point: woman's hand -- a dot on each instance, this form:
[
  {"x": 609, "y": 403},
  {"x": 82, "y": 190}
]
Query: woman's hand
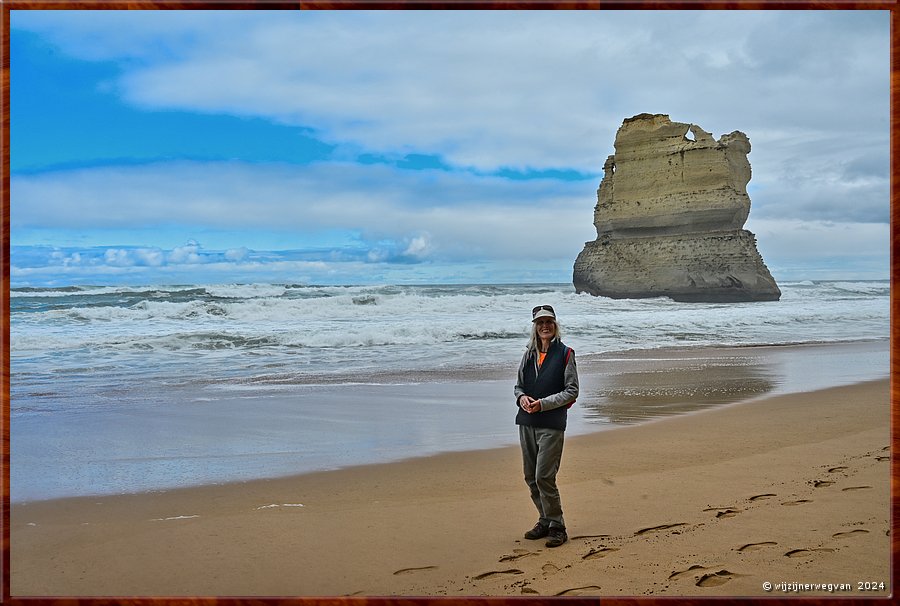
[{"x": 530, "y": 405}]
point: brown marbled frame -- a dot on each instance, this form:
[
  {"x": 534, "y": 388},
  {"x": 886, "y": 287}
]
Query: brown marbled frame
[{"x": 8, "y": 5}]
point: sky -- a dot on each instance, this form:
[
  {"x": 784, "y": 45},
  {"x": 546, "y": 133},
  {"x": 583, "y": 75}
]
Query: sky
[{"x": 359, "y": 147}]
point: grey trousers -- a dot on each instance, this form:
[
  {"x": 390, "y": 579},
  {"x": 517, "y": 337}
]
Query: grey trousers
[{"x": 541, "y": 453}]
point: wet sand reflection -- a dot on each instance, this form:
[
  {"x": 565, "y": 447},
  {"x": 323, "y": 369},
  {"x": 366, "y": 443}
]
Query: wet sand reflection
[{"x": 645, "y": 391}]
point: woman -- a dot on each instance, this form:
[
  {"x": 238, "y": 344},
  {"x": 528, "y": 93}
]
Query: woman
[{"x": 546, "y": 388}]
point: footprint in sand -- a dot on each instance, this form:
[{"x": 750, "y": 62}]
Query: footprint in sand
[
  {"x": 728, "y": 513},
  {"x": 756, "y": 546},
  {"x": 882, "y": 458},
  {"x": 497, "y": 573},
  {"x": 836, "y": 469},
  {"x": 590, "y": 536},
  {"x": 416, "y": 569},
  {"x": 858, "y": 531},
  {"x": 855, "y": 488},
  {"x": 759, "y": 497},
  {"x": 600, "y": 552},
  {"x": 804, "y": 553},
  {"x": 550, "y": 568},
  {"x": 658, "y": 528},
  {"x": 821, "y": 483},
  {"x": 689, "y": 572},
  {"x": 799, "y": 502},
  {"x": 724, "y": 512},
  {"x": 579, "y": 590},
  {"x": 517, "y": 556},
  {"x": 714, "y": 579}
]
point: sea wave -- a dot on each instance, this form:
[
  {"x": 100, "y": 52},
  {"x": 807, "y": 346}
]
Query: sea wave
[{"x": 398, "y": 327}]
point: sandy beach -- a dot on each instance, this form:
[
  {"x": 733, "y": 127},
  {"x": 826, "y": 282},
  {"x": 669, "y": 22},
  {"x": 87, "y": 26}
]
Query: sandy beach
[{"x": 792, "y": 490}]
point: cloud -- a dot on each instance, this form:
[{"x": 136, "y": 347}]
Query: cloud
[
  {"x": 149, "y": 257},
  {"x": 33, "y": 266},
  {"x": 408, "y": 250},
  {"x": 126, "y": 257},
  {"x": 396, "y": 213},
  {"x": 798, "y": 249},
  {"x": 474, "y": 92},
  {"x": 418, "y": 246},
  {"x": 119, "y": 257},
  {"x": 237, "y": 254},
  {"x": 844, "y": 182},
  {"x": 187, "y": 254},
  {"x": 493, "y": 89},
  {"x": 385, "y": 215}
]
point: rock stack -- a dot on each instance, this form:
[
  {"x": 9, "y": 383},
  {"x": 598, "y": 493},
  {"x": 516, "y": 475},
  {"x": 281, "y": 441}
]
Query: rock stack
[{"x": 670, "y": 215}]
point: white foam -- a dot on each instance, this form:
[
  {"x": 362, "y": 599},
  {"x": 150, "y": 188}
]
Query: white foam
[
  {"x": 318, "y": 329},
  {"x": 174, "y": 518}
]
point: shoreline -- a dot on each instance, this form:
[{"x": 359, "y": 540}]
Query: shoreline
[
  {"x": 501, "y": 371},
  {"x": 198, "y": 437},
  {"x": 800, "y": 476}
]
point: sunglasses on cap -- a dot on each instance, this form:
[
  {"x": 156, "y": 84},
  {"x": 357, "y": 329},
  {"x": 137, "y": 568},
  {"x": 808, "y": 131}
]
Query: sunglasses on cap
[{"x": 549, "y": 308}]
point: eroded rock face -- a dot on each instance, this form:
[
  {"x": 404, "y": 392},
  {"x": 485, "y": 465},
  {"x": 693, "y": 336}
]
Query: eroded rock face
[{"x": 670, "y": 214}]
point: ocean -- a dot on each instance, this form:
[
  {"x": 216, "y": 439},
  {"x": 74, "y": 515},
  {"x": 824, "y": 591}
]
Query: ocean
[{"x": 122, "y": 389}]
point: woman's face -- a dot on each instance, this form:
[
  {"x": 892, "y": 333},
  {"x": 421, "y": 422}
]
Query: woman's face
[{"x": 546, "y": 328}]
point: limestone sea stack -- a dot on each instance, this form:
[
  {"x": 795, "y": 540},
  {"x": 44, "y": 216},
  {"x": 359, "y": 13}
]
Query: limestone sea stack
[{"x": 670, "y": 215}]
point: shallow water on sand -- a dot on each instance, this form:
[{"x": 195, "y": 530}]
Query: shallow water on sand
[{"x": 183, "y": 434}]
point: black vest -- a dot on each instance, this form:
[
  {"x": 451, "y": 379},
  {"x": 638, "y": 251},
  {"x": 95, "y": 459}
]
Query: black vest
[{"x": 546, "y": 381}]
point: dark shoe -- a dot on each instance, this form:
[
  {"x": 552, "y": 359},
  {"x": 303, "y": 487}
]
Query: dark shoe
[
  {"x": 557, "y": 536},
  {"x": 538, "y": 532}
]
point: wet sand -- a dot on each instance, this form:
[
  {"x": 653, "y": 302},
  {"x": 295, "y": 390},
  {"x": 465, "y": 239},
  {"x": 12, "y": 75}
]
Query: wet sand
[
  {"x": 789, "y": 489},
  {"x": 172, "y": 437}
]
